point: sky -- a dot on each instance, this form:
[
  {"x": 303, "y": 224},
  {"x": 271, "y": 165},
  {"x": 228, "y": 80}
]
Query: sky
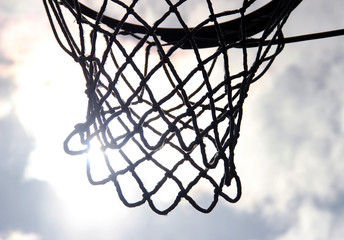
[{"x": 289, "y": 155}]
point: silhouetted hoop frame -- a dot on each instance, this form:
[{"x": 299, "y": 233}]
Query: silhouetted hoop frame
[{"x": 210, "y": 114}]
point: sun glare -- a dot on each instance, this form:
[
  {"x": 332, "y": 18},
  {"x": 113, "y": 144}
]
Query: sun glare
[{"x": 17, "y": 235}]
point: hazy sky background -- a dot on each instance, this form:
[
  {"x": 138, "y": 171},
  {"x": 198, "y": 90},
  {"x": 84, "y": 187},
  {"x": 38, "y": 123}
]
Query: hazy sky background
[{"x": 289, "y": 156}]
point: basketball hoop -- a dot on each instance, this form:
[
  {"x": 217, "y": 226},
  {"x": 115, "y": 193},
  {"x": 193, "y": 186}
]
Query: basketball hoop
[{"x": 148, "y": 108}]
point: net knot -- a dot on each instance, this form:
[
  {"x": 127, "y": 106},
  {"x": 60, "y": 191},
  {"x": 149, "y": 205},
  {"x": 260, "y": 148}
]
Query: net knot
[
  {"x": 173, "y": 9},
  {"x": 200, "y": 66},
  {"x": 138, "y": 129},
  {"x": 125, "y": 108},
  {"x": 81, "y": 127},
  {"x": 203, "y": 173},
  {"x": 113, "y": 176},
  {"x": 172, "y": 128},
  {"x": 186, "y": 156},
  {"x": 183, "y": 193},
  {"x": 146, "y": 195},
  {"x": 212, "y": 18},
  {"x": 168, "y": 174},
  {"x": 199, "y": 140},
  {"x": 217, "y": 190},
  {"x": 142, "y": 83},
  {"x": 156, "y": 107},
  {"x": 130, "y": 10},
  {"x": 149, "y": 156},
  {"x": 190, "y": 112},
  {"x": 180, "y": 86}
]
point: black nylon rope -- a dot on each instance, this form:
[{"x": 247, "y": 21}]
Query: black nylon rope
[{"x": 161, "y": 126}]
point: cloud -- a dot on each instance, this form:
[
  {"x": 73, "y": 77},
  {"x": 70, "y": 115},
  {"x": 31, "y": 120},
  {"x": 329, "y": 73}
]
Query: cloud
[
  {"x": 26, "y": 205},
  {"x": 289, "y": 155},
  {"x": 310, "y": 223},
  {"x": 6, "y": 89},
  {"x": 291, "y": 164},
  {"x": 186, "y": 223}
]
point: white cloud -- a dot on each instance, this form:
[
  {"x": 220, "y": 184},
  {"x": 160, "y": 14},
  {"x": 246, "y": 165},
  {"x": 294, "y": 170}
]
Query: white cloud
[
  {"x": 291, "y": 144},
  {"x": 337, "y": 228},
  {"x": 309, "y": 222}
]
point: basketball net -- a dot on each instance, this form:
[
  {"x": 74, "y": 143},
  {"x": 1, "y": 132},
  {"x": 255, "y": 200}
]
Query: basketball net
[{"x": 165, "y": 104}]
